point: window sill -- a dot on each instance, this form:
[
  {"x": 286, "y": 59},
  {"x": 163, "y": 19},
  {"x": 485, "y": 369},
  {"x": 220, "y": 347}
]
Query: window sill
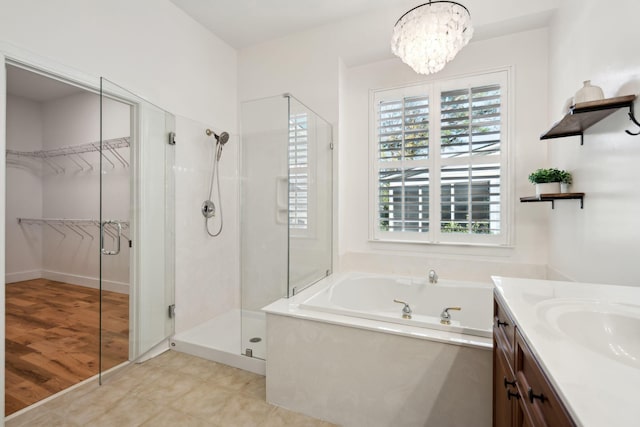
[{"x": 451, "y": 248}]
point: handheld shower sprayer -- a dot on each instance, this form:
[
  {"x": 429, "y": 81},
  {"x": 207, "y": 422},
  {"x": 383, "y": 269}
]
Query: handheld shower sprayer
[
  {"x": 221, "y": 139},
  {"x": 208, "y": 207}
]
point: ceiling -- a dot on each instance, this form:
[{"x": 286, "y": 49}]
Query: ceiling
[
  {"x": 242, "y": 23},
  {"x": 36, "y": 87}
]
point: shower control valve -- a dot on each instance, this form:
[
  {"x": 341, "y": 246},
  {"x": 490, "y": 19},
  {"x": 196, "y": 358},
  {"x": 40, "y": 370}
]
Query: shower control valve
[{"x": 208, "y": 209}]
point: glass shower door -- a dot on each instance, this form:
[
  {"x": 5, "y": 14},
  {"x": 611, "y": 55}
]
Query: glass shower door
[{"x": 137, "y": 225}]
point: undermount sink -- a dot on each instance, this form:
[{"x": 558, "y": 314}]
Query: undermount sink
[{"x": 610, "y": 329}]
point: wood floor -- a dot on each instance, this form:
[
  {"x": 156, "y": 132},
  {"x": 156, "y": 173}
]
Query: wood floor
[{"x": 52, "y": 338}]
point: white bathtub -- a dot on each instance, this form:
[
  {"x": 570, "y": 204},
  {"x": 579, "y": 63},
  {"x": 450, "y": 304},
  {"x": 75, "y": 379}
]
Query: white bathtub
[
  {"x": 340, "y": 351},
  {"x": 371, "y": 296}
]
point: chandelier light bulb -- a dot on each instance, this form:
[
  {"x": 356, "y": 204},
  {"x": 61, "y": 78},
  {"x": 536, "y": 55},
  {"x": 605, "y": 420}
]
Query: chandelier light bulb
[{"x": 430, "y": 35}]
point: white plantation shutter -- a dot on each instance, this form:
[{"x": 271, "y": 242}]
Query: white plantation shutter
[
  {"x": 470, "y": 129},
  {"x": 403, "y": 178},
  {"x": 453, "y": 181},
  {"x": 298, "y": 172}
]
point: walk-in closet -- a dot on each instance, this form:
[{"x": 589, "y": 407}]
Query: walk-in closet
[{"x": 68, "y": 237}]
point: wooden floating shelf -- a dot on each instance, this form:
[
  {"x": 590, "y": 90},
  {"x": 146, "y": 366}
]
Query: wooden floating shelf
[
  {"x": 586, "y": 114},
  {"x": 552, "y": 197}
]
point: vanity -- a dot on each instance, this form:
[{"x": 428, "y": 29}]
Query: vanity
[{"x": 565, "y": 354}]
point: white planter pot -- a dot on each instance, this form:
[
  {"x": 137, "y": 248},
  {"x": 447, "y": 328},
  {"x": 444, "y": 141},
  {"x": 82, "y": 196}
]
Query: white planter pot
[
  {"x": 564, "y": 187},
  {"x": 547, "y": 188}
]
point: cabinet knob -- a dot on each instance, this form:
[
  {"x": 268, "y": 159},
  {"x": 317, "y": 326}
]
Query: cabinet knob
[
  {"x": 510, "y": 395},
  {"x": 508, "y": 383},
  {"x": 502, "y": 323},
  {"x": 535, "y": 396}
]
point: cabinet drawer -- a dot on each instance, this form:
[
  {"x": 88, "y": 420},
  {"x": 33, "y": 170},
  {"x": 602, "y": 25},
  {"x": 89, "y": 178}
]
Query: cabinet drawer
[
  {"x": 540, "y": 403},
  {"x": 504, "y": 329}
]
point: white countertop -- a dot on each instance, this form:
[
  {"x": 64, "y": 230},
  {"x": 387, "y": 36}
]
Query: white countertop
[{"x": 594, "y": 372}]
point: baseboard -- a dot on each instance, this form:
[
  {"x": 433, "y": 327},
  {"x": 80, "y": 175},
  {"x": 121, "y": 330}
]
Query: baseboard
[
  {"x": 89, "y": 282},
  {"x": 22, "y": 276}
]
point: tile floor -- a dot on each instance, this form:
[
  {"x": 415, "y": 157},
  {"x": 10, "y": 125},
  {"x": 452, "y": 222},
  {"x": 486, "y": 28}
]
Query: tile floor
[{"x": 173, "y": 389}]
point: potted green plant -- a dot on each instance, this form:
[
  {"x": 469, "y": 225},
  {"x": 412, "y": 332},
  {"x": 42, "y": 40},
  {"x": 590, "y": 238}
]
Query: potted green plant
[
  {"x": 548, "y": 181},
  {"x": 567, "y": 179}
]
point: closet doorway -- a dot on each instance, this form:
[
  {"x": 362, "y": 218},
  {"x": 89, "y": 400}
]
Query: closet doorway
[
  {"x": 53, "y": 237},
  {"x": 78, "y": 268}
]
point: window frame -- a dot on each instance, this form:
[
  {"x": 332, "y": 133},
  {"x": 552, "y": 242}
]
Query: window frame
[{"x": 435, "y": 162}]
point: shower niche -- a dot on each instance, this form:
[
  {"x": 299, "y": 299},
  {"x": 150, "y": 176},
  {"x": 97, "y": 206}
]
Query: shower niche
[{"x": 286, "y": 207}]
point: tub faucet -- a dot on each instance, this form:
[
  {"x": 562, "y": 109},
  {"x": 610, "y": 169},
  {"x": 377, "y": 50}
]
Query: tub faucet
[
  {"x": 433, "y": 277},
  {"x": 406, "y": 310},
  {"x": 445, "y": 317}
]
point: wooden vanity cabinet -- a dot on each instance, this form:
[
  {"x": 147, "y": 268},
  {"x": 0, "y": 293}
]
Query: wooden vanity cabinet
[{"x": 522, "y": 395}]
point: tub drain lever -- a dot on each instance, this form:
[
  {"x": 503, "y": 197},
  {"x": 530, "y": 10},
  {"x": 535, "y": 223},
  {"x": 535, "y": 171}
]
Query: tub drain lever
[{"x": 406, "y": 310}]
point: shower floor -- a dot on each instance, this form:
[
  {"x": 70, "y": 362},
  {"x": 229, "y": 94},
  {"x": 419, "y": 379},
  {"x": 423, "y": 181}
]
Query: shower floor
[{"x": 225, "y": 339}]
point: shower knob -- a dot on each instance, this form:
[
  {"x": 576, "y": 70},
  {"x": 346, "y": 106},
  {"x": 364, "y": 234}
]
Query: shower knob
[{"x": 208, "y": 209}]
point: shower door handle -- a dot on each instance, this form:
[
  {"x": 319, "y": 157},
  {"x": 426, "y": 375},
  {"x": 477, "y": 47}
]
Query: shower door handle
[{"x": 118, "y": 237}]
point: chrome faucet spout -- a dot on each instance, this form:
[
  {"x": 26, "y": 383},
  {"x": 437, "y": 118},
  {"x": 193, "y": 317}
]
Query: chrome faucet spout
[{"x": 433, "y": 277}]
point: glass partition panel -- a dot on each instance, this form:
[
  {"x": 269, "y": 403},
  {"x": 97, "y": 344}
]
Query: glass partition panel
[
  {"x": 137, "y": 225},
  {"x": 264, "y": 214},
  {"x": 286, "y": 207},
  {"x": 310, "y": 197}
]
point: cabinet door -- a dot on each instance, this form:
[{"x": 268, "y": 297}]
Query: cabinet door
[
  {"x": 541, "y": 405},
  {"x": 505, "y": 329},
  {"x": 505, "y": 393}
]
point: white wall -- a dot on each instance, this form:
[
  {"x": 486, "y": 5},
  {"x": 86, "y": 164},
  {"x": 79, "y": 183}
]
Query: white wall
[
  {"x": 207, "y": 276},
  {"x": 591, "y": 40},
  {"x": 526, "y": 116},
  {"x": 152, "y": 48},
  {"x": 24, "y": 191}
]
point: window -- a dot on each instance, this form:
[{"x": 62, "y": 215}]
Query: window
[
  {"x": 298, "y": 172},
  {"x": 439, "y": 162}
]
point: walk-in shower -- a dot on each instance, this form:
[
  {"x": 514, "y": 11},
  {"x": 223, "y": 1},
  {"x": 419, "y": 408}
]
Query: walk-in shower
[
  {"x": 284, "y": 226},
  {"x": 208, "y": 206}
]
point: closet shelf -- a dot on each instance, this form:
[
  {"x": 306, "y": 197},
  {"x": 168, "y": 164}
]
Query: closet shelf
[
  {"x": 75, "y": 154},
  {"x": 584, "y": 115},
  {"x": 76, "y": 225}
]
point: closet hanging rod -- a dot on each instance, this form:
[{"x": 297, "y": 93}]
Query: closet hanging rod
[
  {"x": 64, "y": 221},
  {"x": 92, "y": 147},
  {"x": 76, "y": 224}
]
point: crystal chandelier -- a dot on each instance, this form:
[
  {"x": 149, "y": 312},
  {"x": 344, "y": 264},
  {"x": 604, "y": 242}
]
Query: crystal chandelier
[{"x": 430, "y": 35}]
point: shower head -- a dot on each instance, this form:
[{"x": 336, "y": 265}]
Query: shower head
[{"x": 222, "y": 138}]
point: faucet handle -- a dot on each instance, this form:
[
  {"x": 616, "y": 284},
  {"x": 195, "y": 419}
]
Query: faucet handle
[
  {"x": 445, "y": 317},
  {"x": 406, "y": 310}
]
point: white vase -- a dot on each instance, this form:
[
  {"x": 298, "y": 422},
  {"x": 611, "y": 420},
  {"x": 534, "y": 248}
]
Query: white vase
[
  {"x": 547, "y": 188},
  {"x": 567, "y": 106},
  {"x": 564, "y": 187},
  {"x": 588, "y": 93}
]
